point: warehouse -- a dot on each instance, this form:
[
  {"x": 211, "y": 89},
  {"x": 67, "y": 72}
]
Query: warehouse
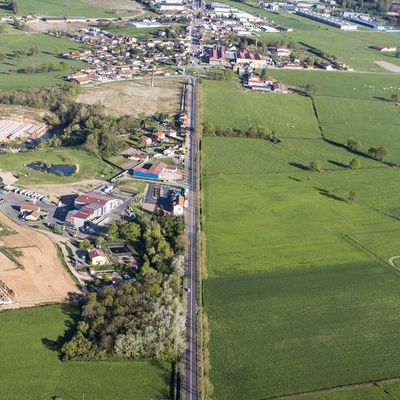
[{"x": 150, "y": 171}]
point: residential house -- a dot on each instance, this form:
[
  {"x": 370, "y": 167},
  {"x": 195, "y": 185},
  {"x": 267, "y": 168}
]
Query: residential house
[
  {"x": 178, "y": 207},
  {"x": 97, "y": 257}
]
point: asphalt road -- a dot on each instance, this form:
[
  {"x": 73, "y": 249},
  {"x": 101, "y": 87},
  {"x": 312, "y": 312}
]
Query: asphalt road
[{"x": 191, "y": 381}]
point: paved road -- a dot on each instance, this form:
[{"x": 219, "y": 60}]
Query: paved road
[
  {"x": 191, "y": 381},
  {"x": 191, "y": 374}
]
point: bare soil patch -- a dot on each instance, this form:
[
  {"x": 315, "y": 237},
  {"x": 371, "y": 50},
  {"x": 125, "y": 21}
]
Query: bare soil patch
[
  {"x": 388, "y": 66},
  {"x": 22, "y": 114},
  {"x": 43, "y": 278},
  {"x": 117, "y": 5},
  {"x": 42, "y": 26},
  {"x": 135, "y": 97},
  {"x": 54, "y": 192}
]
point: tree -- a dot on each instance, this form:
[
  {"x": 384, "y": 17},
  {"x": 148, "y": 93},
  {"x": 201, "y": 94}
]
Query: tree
[
  {"x": 352, "y": 196},
  {"x": 355, "y": 163},
  {"x": 372, "y": 151},
  {"x": 311, "y": 89},
  {"x": 264, "y": 73},
  {"x": 381, "y": 153},
  {"x": 396, "y": 98},
  {"x": 2, "y": 57},
  {"x": 208, "y": 129},
  {"x": 353, "y": 144},
  {"x": 85, "y": 244},
  {"x": 13, "y": 5},
  {"x": 316, "y": 166},
  {"x": 100, "y": 240}
]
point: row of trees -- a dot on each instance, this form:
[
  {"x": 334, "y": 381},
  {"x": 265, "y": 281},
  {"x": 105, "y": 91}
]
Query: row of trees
[
  {"x": 379, "y": 153},
  {"x": 141, "y": 320},
  {"x": 253, "y": 132},
  {"x": 50, "y": 67}
]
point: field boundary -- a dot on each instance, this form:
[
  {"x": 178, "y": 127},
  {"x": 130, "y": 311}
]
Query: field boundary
[{"x": 338, "y": 388}]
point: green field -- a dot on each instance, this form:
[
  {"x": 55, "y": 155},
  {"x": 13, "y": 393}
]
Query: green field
[
  {"x": 90, "y": 167},
  {"x": 224, "y": 105},
  {"x": 371, "y": 86},
  {"x": 374, "y": 122},
  {"x": 29, "y": 340},
  {"x": 73, "y": 8},
  {"x": 300, "y": 295},
  {"x": 49, "y": 48}
]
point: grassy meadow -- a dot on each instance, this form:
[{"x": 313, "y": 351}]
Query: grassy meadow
[
  {"x": 68, "y": 8},
  {"x": 226, "y": 104},
  {"x": 49, "y": 49},
  {"x": 89, "y": 166},
  {"x": 29, "y": 342},
  {"x": 299, "y": 293}
]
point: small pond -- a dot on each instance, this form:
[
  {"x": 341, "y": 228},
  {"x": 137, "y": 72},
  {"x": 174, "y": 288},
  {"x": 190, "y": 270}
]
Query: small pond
[{"x": 55, "y": 169}]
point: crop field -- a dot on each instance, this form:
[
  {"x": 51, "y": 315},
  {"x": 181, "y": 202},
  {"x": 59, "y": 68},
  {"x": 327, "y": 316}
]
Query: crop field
[
  {"x": 226, "y": 104},
  {"x": 300, "y": 295},
  {"x": 29, "y": 343},
  {"x": 49, "y": 48},
  {"x": 81, "y": 8},
  {"x": 88, "y": 166}
]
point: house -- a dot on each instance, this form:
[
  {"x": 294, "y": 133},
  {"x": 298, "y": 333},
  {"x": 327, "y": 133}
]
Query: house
[
  {"x": 159, "y": 135},
  {"x": 24, "y": 208},
  {"x": 134, "y": 154},
  {"x": 385, "y": 49},
  {"x": 33, "y": 216},
  {"x": 283, "y": 51},
  {"x": 97, "y": 257},
  {"x": 172, "y": 133},
  {"x": 178, "y": 207},
  {"x": 148, "y": 141},
  {"x": 255, "y": 59},
  {"x": 150, "y": 171}
]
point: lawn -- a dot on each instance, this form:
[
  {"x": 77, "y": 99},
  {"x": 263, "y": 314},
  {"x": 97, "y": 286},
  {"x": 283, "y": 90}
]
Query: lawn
[
  {"x": 373, "y": 122},
  {"x": 29, "y": 340},
  {"x": 89, "y": 166},
  {"x": 226, "y": 104},
  {"x": 49, "y": 49},
  {"x": 81, "y": 8}
]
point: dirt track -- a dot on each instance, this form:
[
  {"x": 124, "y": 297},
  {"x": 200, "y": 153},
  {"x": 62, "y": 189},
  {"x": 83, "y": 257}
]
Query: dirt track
[{"x": 43, "y": 278}]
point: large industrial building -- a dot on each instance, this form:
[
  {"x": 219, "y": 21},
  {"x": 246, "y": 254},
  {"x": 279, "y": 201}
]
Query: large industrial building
[
  {"x": 150, "y": 171},
  {"x": 90, "y": 206}
]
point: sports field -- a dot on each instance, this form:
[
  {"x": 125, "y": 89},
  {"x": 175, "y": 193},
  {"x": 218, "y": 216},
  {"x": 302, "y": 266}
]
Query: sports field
[
  {"x": 49, "y": 49},
  {"x": 29, "y": 343},
  {"x": 88, "y": 166},
  {"x": 300, "y": 295}
]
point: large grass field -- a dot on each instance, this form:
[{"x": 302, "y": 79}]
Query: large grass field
[
  {"x": 374, "y": 122},
  {"x": 300, "y": 295},
  {"x": 89, "y": 166},
  {"x": 31, "y": 368},
  {"x": 81, "y": 8},
  {"x": 49, "y": 49},
  {"x": 226, "y": 104}
]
